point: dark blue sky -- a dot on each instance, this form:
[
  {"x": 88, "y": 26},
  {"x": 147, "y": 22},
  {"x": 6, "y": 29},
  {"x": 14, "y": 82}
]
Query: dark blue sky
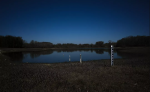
[{"x": 74, "y": 21}]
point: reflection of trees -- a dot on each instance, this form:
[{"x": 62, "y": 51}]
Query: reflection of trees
[
  {"x": 68, "y": 50},
  {"x": 15, "y": 56},
  {"x": 99, "y": 51},
  {"x": 109, "y": 51},
  {"x": 122, "y": 54},
  {"x": 25, "y": 55},
  {"x": 58, "y": 51},
  {"x": 127, "y": 55},
  {"x": 35, "y": 54},
  {"x": 72, "y": 50},
  {"x": 18, "y": 56}
]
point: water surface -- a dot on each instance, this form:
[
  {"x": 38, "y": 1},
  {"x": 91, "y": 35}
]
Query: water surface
[{"x": 55, "y": 56}]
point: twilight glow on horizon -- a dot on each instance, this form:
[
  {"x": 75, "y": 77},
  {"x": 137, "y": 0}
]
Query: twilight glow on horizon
[{"x": 74, "y": 21}]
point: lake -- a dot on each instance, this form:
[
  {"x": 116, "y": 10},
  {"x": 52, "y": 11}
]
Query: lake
[{"x": 55, "y": 56}]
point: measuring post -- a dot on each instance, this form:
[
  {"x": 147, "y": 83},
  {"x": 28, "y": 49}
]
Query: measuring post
[
  {"x": 112, "y": 56},
  {"x": 69, "y": 58},
  {"x": 80, "y": 59}
]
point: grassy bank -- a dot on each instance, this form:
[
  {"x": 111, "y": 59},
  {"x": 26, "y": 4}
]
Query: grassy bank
[{"x": 127, "y": 75}]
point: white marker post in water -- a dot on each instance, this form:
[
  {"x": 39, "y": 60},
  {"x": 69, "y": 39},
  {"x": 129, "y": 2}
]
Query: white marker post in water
[
  {"x": 112, "y": 56},
  {"x": 80, "y": 59},
  {"x": 69, "y": 58}
]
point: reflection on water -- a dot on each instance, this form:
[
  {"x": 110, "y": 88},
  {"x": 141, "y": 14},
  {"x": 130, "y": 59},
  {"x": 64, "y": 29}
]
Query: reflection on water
[
  {"x": 35, "y": 54},
  {"x": 15, "y": 56},
  {"x": 52, "y": 56}
]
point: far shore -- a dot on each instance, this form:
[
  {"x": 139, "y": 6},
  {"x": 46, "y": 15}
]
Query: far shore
[{"x": 3, "y": 50}]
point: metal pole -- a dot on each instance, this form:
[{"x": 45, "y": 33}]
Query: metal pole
[
  {"x": 112, "y": 56},
  {"x": 69, "y": 58},
  {"x": 80, "y": 58}
]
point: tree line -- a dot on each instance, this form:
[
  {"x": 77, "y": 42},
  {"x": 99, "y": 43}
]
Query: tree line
[
  {"x": 96, "y": 45},
  {"x": 134, "y": 41},
  {"x": 17, "y": 42},
  {"x": 36, "y": 44},
  {"x": 11, "y": 42}
]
